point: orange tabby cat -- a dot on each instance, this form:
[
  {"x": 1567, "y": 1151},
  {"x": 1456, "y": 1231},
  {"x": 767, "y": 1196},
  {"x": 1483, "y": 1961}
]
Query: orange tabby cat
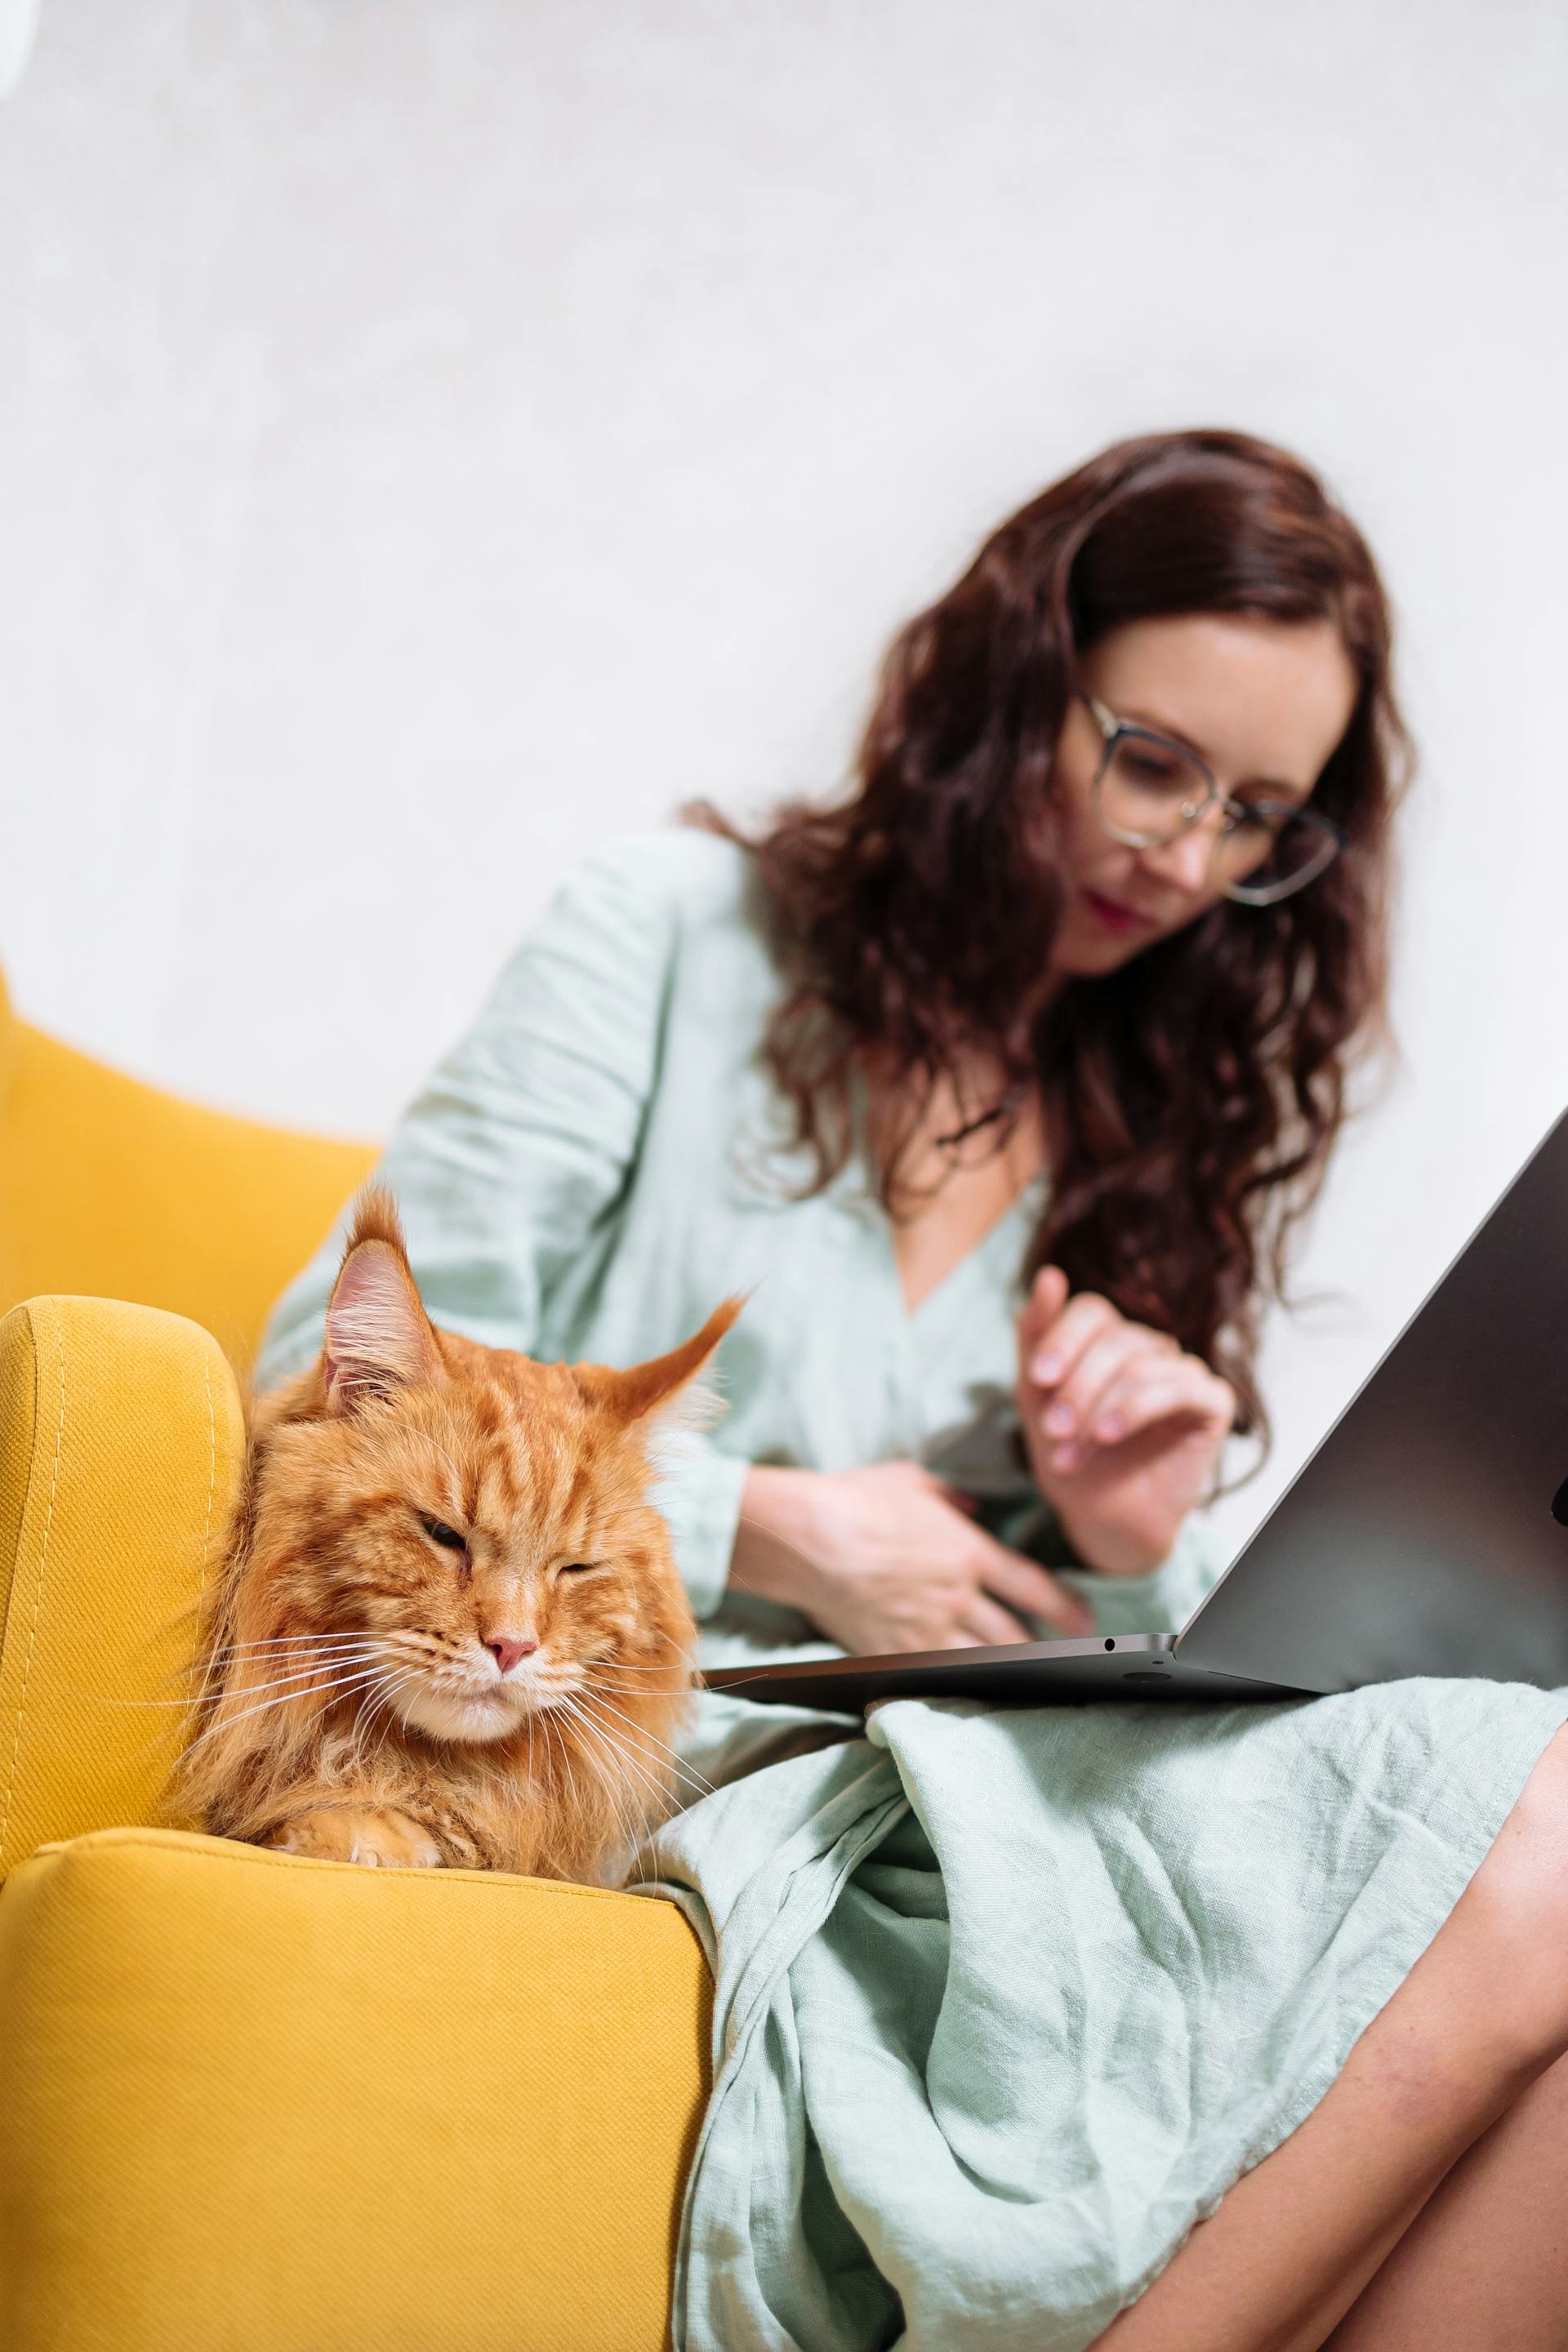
[{"x": 450, "y": 1628}]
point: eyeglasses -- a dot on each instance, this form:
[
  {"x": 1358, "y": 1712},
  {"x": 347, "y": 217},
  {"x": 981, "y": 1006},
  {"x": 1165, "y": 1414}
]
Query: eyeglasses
[{"x": 1149, "y": 790}]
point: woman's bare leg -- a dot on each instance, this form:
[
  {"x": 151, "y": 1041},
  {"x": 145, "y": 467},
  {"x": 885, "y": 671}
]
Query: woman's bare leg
[
  {"x": 1485, "y": 2262},
  {"x": 1481, "y": 2017}
]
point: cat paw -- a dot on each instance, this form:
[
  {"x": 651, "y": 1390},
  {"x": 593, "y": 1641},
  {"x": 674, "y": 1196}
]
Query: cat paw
[{"x": 378, "y": 1837}]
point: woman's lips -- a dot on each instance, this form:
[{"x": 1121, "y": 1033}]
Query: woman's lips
[{"x": 1115, "y": 916}]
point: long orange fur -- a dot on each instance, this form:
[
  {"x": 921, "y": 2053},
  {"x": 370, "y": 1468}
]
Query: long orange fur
[{"x": 350, "y": 1707}]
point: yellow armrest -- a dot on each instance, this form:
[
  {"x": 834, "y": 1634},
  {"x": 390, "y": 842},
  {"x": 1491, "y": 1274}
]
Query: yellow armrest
[
  {"x": 120, "y": 1447},
  {"x": 269, "y": 2105}
]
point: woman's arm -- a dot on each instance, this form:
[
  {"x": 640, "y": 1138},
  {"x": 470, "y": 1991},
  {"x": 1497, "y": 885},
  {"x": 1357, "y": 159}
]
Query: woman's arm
[
  {"x": 519, "y": 1147},
  {"x": 886, "y": 1558}
]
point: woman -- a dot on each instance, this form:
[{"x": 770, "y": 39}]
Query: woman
[{"x": 997, "y": 1087}]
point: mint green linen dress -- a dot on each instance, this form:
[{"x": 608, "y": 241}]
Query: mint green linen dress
[{"x": 1005, "y": 1998}]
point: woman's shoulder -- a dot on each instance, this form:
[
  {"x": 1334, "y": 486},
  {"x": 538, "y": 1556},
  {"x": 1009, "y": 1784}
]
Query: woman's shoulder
[
  {"x": 681, "y": 869},
  {"x": 667, "y": 884}
]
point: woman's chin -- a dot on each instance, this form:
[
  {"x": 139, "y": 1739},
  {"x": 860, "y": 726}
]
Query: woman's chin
[{"x": 1079, "y": 954}]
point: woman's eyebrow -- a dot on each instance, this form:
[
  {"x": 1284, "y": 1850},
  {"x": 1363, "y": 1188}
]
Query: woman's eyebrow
[{"x": 1264, "y": 784}]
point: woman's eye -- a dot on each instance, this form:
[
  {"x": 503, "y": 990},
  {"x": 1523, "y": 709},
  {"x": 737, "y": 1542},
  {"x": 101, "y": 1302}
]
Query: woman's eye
[
  {"x": 439, "y": 1532},
  {"x": 1151, "y": 768}
]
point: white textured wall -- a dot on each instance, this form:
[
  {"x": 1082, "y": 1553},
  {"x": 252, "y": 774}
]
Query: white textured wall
[{"x": 435, "y": 434}]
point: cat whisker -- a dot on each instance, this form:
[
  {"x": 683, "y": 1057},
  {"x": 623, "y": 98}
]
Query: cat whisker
[
  {"x": 636, "y": 1760},
  {"x": 596, "y": 1696},
  {"x": 380, "y": 1694},
  {"x": 364, "y": 1713},
  {"x": 657, "y": 1752},
  {"x": 623, "y": 1804},
  {"x": 633, "y": 1826},
  {"x": 379, "y": 1699},
  {"x": 410, "y": 1675},
  {"x": 302, "y": 1658},
  {"x": 332, "y": 1689},
  {"x": 635, "y": 1689},
  {"x": 676, "y": 1760},
  {"x": 553, "y": 1742},
  {"x": 618, "y": 1764},
  {"x": 630, "y": 1666},
  {"x": 678, "y": 1678},
  {"x": 225, "y": 1672},
  {"x": 670, "y": 1774},
  {"x": 639, "y": 1692},
  {"x": 338, "y": 1663},
  {"x": 298, "y": 1674},
  {"x": 334, "y": 1654},
  {"x": 310, "y": 1641}
]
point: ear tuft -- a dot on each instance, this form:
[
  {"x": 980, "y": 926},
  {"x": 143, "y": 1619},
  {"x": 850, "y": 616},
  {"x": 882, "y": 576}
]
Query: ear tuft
[{"x": 379, "y": 1337}]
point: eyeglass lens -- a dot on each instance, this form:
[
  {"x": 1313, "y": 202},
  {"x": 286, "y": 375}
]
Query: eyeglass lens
[{"x": 1150, "y": 793}]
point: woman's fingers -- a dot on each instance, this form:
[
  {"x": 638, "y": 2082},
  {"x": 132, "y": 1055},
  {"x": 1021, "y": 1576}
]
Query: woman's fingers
[
  {"x": 1148, "y": 1394},
  {"x": 1053, "y": 1349},
  {"x": 986, "y": 1623},
  {"x": 1071, "y": 1405},
  {"x": 1047, "y": 1297},
  {"x": 1057, "y": 1350},
  {"x": 1028, "y": 1586},
  {"x": 1053, "y": 1340}
]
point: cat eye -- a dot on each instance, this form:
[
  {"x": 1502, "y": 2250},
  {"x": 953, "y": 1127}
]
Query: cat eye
[
  {"x": 439, "y": 1532},
  {"x": 576, "y": 1566}
]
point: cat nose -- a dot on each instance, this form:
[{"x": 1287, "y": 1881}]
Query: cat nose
[{"x": 506, "y": 1651}]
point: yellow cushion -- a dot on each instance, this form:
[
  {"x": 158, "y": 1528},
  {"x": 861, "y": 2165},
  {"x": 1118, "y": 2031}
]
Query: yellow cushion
[
  {"x": 111, "y": 1187},
  {"x": 121, "y": 1446},
  {"x": 279, "y": 2105}
]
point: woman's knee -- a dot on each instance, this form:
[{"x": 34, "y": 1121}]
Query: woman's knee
[{"x": 1510, "y": 1926}]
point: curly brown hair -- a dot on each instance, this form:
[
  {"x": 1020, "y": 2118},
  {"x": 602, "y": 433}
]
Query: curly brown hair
[{"x": 1192, "y": 1096}]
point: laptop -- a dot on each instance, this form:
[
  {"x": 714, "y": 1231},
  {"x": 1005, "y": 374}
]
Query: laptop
[{"x": 1428, "y": 1534}]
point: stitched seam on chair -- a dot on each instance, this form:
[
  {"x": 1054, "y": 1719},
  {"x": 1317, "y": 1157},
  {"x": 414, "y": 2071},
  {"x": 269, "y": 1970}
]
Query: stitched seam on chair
[
  {"x": 37, "y": 1596},
  {"x": 234, "y": 1851},
  {"x": 212, "y": 1469}
]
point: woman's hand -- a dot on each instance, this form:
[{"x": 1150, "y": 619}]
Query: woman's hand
[
  {"x": 886, "y": 1559},
  {"x": 1122, "y": 1428}
]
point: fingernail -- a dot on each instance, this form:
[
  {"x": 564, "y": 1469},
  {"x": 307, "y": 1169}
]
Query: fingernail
[
  {"x": 1059, "y": 1421},
  {"x": 1067, "y": 1457},
  {"x": 1047, "y": 1367},
  {"x": 1109, "y": 1429}
]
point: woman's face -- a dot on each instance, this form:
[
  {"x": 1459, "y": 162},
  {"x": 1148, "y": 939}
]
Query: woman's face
[{"x": 1262, "y": 702}]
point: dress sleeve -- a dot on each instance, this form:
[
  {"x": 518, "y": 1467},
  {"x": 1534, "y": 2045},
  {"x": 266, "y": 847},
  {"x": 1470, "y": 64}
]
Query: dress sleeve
[{"x": 520, "y": 1147}]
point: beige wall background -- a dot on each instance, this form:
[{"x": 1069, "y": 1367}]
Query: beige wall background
[{"x": 436, "y": 434}]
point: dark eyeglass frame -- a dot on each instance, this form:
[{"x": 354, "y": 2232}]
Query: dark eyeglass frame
[{"x": 1264, "y": 894}]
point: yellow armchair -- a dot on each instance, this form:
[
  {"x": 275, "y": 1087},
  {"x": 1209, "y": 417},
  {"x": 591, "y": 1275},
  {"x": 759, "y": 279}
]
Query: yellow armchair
[{"x": 250, "y": 2103}]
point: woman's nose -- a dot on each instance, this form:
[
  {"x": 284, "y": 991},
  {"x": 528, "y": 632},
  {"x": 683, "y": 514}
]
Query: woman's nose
[{"x": 1186, "y": 862}]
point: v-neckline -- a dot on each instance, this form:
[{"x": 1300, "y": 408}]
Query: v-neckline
[
  {"x": 857, "y": 1170},
  {"x": 980, "y": 1251}
]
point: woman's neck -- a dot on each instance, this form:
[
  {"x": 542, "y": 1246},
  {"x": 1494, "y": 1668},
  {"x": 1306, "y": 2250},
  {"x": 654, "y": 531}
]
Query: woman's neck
[{"x": 979, "y": 1132}]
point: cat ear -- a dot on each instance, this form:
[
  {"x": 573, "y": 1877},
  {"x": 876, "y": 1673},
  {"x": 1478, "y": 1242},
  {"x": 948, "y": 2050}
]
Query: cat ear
[
  {"x": 661, "y": 1389},
  {"x": 379, "y": 1336}
]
